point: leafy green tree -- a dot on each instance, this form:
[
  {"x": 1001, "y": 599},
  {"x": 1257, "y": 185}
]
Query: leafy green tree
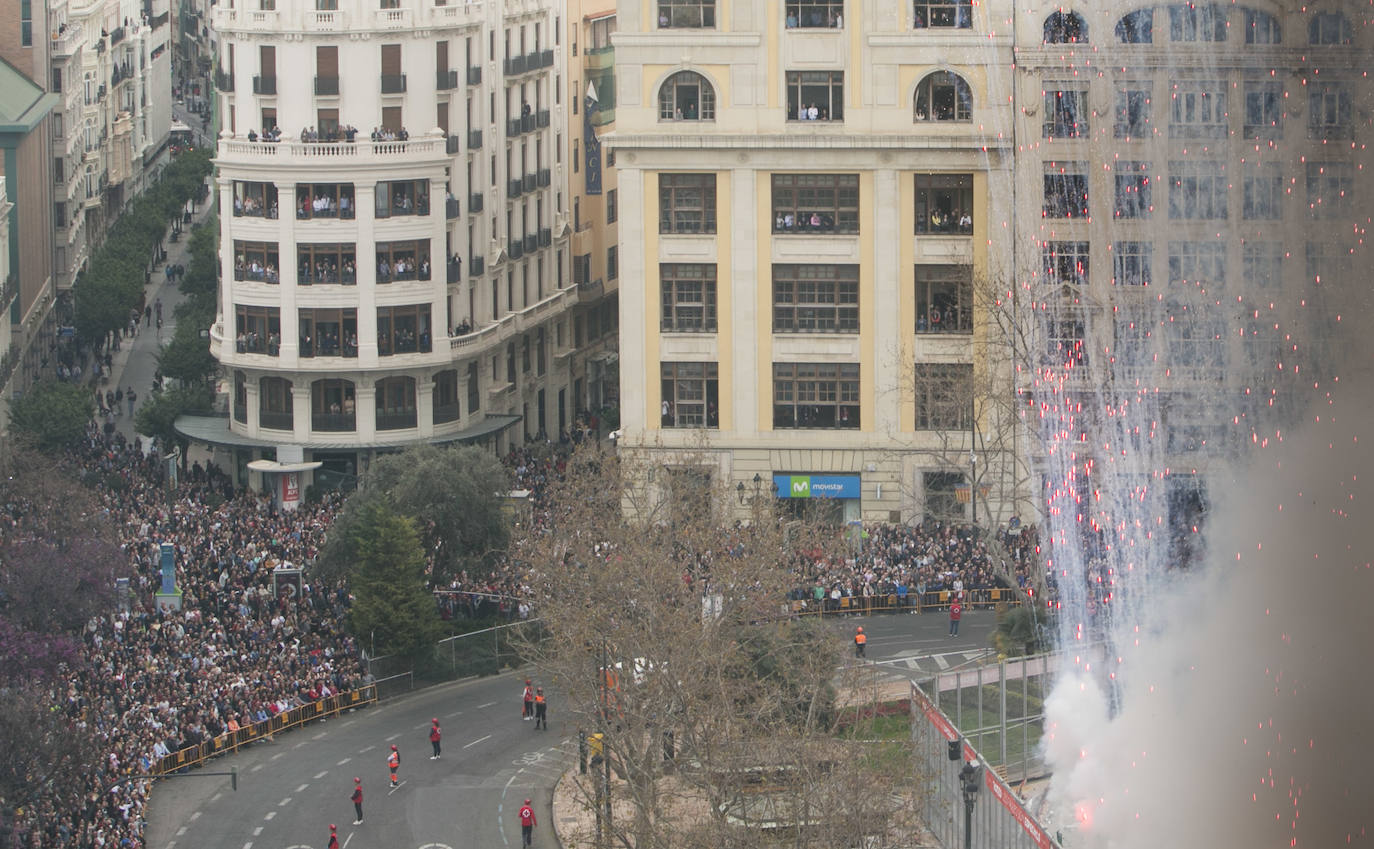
[
  {"x": 53, "y": 414},
  {"x": 157, "y": 416},
  {"x": 1018, "y": 632},
  {"x": 392, "y": 605},
  {"x": 187, "y": 356},
  {"x": 454, "y": 494}
]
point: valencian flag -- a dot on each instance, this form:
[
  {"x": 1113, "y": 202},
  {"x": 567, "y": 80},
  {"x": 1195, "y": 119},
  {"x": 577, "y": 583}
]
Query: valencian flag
[{"x": 591, "y": 142}]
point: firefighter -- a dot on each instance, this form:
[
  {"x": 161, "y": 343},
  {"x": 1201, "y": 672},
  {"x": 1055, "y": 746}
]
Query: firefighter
[
  {"x": 393, "y": 762},
  {"x": 860, "y": 640},
  {"x": 541, "y": 716}
]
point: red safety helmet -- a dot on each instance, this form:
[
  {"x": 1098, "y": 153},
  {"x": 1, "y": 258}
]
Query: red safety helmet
[
  {"x": 435, "y": 720},
  {"x": 333, "y": 827},
  {"x": 527, "y": 801},
  {"x": 357, "y": 780},
  {"x": 393, "y": 747}
]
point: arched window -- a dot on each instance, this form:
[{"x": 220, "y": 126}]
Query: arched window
[
  {"x": 333, "y": 405},
  {"x": 396, "y": 408},
  {"x": 1328, "y": 28},
  {"x": 1137, "y": 27},
  {"x": 446, "y": 396},
  {"x": 944, "y": 96},
  {"x": 1065, "y": 28},
  {"x": 274, "y": 404},
  {"x": 686, "y": 96}
]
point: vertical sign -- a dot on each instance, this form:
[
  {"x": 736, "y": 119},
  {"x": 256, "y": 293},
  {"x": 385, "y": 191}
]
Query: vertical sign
[
  {"x": 169, "y": 577},
  {"x": 290, "y": 490},
  {"x": 591, "y": 143}
]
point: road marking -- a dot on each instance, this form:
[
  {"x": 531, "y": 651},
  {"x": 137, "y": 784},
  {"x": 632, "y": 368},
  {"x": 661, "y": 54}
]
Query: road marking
[
  {"x": 318, "y": 736},
  {"x": 248, "y": 845},
  {"x": 488, "y": 704},
  {"x": 298, "y": 745},
  {"x": 302, "y": 787},
  {"x": 397, "y": 787},
  {"x": 216, "y": 797},
  {"x": 479, "y": 740},
  {"x": 455, "y": 713},
  {"x": 270, "y": 815},
  {"x": 342, "y": 762},
  {"x": 257, "y": 831},
  {"x": 321, "y": 775},
  {"x": 277, "y": 755},
  {"x": 392, "y": 737},
  {"x": 940, "y": 662},
  {"x": 181, "y": 832},
  {"x": 194, "y": 817},
  {"x": 284, "y": 802},
  {"x": 365, "y": 751},
  {"x": 346, "y": 839},
  {"x": 256, "y": 768}
]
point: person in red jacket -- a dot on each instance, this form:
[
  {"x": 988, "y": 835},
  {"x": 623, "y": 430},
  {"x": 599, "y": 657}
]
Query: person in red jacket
[
  {"x": 956, "y": 611},
  {"x": 393, "y": 763},
  {"x": 527, "y": 699},
  {"x": 357, "y": 798},
  {"x": 333, "y": 836},
  {"x": 527, "y": 824},
  {"x": 434, "y": 736}
]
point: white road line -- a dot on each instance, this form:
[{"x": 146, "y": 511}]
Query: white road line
[
  {"x": 346, "y": 839},
  {"x": 397, "y": 787},
  {"x": 216, "y": 797},
  {"x": 318, "y": 736},
  {"x": 342, "y": 762},
  {"x": 194, "y": 817},
  {"x": 277, "y": 755},
  {"x": 365, "y": 751},
  {"x": 479, "y": 740},
  {"x": 298, "y": 745},
  {"x": 302, "y": 788},
  {"x": 455, "y": 713},
  {"x": 488, "y": 704},
  {"x": 256, "y": 768},
  {"x": 392, "y": 737},
  {"x": 248, "y": 845},
  {"x": 321, "y": 775},
  {"x": 269, "y": 815},
  {"x": 170, "y": 844},
  {"x": 284, "y": 802},
  {"x": 257, "y": 831},
  {"x": 181, "y": 831}
]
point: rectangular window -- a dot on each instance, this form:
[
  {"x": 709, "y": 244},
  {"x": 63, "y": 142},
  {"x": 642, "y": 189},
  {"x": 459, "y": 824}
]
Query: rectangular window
[
  {"x": 403, "y": 260},
  {"x": 944, "y": 204},
  {"x": 1199, "y": 110},
  {"x": 949, "y": 14},
  {"x": 328, "y": 332},
  {"x": 1196, "y": 345},
  {"x": 685, "y": 14},
  {"x": 256, "y": 200},
  {"x": 813, "y": 14},
  {"x": 944, "y": 299},
  {"x": 1065, "y": 342},
  {"x": 691, "y": 395},
  {"x": 1328, "y": 28},
  {"x": 1132, "y": 112},
  {"x": 256, "y": 261},
  {"x": 944, "y": 396},
  {"x": 1197, "y": 263},
  {"x": 1065, "y": 263},
  {"x": 815, "y": 95},
  {"x": 687, "y": 203},
  {"x": 1329, "y": 189},
  {"x": 815, "y": 298},
  {"x": 1263, "y": 110},
  {"x": 1261, "y": 28},
  {"x": 1065, "y": 190},
  {"x": 1197, "y": 190},
  {"x": 611, "y": 208},
  {"x": 1197, "y": 22},
  {"x": 326, "y": 263},
  {"x": 1328, "y": 111},
  {"x": 1263, "y": 193},
  {"x": 403, "y": 330},
  {"x": 1327, "y": 262},
  {"x": 474, "y": 389},
  {"x": 815, "y": 203},
  {"x": 613, "y": 263},
  {"x": 815, "y": 395},
  {"x": 274, "y": 403},
  {"x": 1131, "y": 263},
  {"x": 1132, "y": 197},
  {"x": 402, "y": 197},
  {"x": 325, "y": 200},
  {"x": 257, "y": 330},
  {"x": 25, "y": 23},
  {"x": 1066, "y": 114},
  {"x": 1262, "y": 263},
  {"x": 689, "y": 297},
  {"x": 446, "y": 396}
]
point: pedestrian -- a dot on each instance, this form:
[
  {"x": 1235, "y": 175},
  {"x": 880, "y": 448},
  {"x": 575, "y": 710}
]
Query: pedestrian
[
  {"x": 133, "y": 397},
  {"x": 434, "y": 736},
  {"x": 527, "y": 824},
  {"x": 357, "y": 798},
  {"x": 860, "y": 640},
  {"x": 147, "y": 316},
  {"x": 333, "y": 836},
  {"x": 119, "y": 399},
  {"x": 393, "y": 763},
  {"x": 527, "y": 702},
  {"x": 541, "y": 715},
  {"x": 956, "y": 611}
]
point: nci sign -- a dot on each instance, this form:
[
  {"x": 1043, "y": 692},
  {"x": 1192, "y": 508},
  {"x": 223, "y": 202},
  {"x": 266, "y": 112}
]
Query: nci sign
[{"x": 817, "y": 486}]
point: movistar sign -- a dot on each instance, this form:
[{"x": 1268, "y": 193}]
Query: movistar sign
[{"x": 817, "y": 486}]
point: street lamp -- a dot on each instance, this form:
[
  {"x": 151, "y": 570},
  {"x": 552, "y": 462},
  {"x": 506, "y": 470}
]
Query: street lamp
[{"x": 970, "y": 778}]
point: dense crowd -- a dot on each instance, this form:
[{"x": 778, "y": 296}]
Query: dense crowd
[{"x": 158, "y": 679}]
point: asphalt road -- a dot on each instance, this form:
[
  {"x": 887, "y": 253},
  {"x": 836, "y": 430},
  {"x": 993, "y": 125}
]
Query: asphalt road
[{"x": 291, "y": 789}]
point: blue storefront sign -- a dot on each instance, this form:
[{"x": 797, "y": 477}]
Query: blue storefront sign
[{"x": 817, "y": 486}]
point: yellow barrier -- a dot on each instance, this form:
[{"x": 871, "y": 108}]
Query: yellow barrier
[
  {"x": 232, "y": 740},
  {"x": 932, "y": 600}
]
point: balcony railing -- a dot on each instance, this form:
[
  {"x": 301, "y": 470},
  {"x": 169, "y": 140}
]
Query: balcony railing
[
  {"x": 333, "y": 422},
  {"x": 541, "y": 59},
  {"x": 325, "y": 20},
  {"x": 516, "y": 65},
  {"x": 477, "y": 265},
  {"x": 445, "y": 80},
  {"x": 528, "y": 182},
  {"x": 531, "y": 243},
  {"x": 396, "y": 421},
  {"x": 452, "y": 144},
  {"x": 327, "y": 86},
  {"x": 116, "y": 35},
  {"x": 545, "y": 237},
  {"x": 451, "y": 208},
  {"x": 474, "y": 139},
  {"x": 393, "y": 83},
  {"x": 475, "y": 75},
  {"x": 514, "y": 188},
  {"x": 361, "y": 150},
  {"x": 276, "y": 421},
  {"x": 544, "y": 178},
  {"x": 512, "y": 128},
  {"x": 393, "y": 18},
  {"x": 542, "y": 118},
  {"x": 516, "y": 248},
  {"x": 224, "y": 81},
  {"x": 264, "y": 85},
  {"x": 444, "y": 413},
  {"x": 475, "y": 202}
]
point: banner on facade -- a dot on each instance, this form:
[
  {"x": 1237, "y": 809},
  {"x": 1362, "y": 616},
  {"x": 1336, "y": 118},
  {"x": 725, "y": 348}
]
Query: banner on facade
[{"x": 818, "y": 486}]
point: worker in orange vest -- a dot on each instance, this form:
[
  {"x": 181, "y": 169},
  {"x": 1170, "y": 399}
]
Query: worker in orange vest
[
  {"x": 860, "y": 640},
  {"x": 527, "y": 824},
  {"x": 393, "y": 762},
  {"x": 541, "y": 716}
]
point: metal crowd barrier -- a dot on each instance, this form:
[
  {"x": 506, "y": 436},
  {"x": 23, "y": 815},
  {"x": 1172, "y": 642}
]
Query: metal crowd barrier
[
  {"x": 230, "y": 741},
  {"x": 934, "y": 600}
]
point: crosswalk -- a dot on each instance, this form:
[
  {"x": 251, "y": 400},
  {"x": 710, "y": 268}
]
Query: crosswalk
[{"x": 914, "y": 664}]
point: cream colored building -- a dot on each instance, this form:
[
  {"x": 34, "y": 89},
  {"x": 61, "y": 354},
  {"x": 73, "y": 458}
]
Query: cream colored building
[
  {"x": 416, "y": 288},
  {"x": 811, "y": 193}
]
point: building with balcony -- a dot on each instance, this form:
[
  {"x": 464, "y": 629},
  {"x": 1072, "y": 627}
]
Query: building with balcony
[
  {"x": 591, "y": 91},
  {"x": 394, "y": 249},
  {"x": 809, "y": 196}
]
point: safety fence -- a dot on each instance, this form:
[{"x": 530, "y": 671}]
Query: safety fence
[
  {"x": 962, "y": 801},
  {"x": 231, "y": 741},
  {"x": 987, "y": 598}
]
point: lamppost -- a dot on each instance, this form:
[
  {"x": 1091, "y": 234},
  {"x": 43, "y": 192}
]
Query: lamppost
[
  {"x": 970, "y": 778},
  {"x": 754, "y": 500},
  {"x": 973, "y": 487}
]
